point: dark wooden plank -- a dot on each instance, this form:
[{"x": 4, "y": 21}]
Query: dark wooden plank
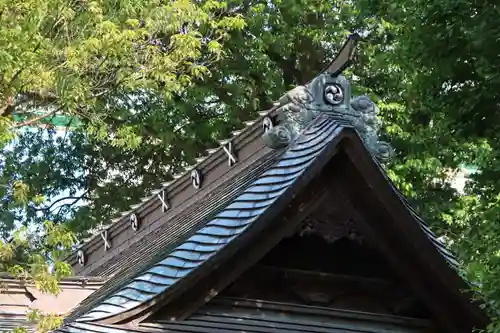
[
  {"x": 312, "y": 276},
  {"x": 298, "y": 309},
  {"x": 383, "y": 222}
]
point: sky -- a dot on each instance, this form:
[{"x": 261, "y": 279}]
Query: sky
[{"x": 59, "y": 134}]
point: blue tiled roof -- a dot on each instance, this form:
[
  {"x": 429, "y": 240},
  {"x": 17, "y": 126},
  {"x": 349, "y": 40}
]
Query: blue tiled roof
[{"x": 227, "y": 225}]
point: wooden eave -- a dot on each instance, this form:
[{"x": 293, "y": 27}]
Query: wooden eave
[
  {"x": 17, "y": 297},
  {"x": 9, "y": 322},
  {"x": 10, "y": 283},
  {"x": 205, "y": 263},
  {"x": 226, "y": 315}
]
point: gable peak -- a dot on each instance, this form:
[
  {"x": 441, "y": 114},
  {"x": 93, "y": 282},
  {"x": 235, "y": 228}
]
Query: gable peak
[{"x": 328, "y": 93}]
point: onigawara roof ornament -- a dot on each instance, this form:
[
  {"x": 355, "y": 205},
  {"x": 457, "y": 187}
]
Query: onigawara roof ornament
[{"x": 328, "y": 93}]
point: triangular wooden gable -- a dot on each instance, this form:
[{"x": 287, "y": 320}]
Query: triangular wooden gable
[
  {"x": 329, "y": 160},
  {"x": 413, "y": 252}
]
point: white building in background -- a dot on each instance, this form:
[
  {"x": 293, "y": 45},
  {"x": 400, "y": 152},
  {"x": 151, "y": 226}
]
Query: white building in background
[{"x": 458, "y": 178}]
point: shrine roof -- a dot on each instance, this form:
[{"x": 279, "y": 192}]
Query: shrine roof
[
  {"x": 266, "y": 189},
  {"x": 175, "y": 189},
  {"x": 316, "y": 122},
  {"x": 18, "y": 297},
  {"x": 257, "y": 198}
]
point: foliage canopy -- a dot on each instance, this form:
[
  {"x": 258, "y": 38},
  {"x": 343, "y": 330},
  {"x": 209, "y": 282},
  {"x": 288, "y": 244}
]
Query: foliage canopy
[
  {"x": 83, "y": 60},
  {"x": 153, "y": 88}
]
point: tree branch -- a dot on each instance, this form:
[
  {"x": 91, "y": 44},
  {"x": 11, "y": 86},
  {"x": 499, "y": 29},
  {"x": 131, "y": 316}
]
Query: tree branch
[
  {"x": 57, "y": 215},
  {"x": 37, "y": 118},
  {"x": 76, "y": 199},
  {"x": 32, "y": 96}
]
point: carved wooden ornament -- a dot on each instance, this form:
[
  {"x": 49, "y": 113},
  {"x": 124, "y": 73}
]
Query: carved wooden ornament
[
  {"x": 326, "y": 94},
  {"x": 231, "y": 156},
  {"x": 105, "y": 238},
  {"x": 163, "y": 199},
  {"x": 196, "y": 178},
  {"x": 134, "y": 222},
  {"x": 80, "y": 256},
  {"x": 267, "y": 124}
]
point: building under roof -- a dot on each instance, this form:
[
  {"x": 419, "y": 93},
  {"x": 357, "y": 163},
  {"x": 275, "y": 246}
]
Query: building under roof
[{"x": 18, "y": 298}]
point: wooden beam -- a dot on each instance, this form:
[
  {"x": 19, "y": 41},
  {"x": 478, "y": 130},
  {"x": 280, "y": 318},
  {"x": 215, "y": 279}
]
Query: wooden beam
[
  {"x": 378, "y": 295},
  {"x": 270, "y": 272},
  {"x": 300, "y": 310}
]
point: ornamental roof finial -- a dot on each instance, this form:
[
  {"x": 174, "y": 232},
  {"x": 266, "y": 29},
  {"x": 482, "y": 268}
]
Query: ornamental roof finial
[{"x": 328, "y": 93}]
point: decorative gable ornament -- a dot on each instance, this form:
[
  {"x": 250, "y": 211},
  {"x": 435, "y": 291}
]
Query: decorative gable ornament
[
  {"x": 80, "y": 257},
  {"x": 105, "y": 238},
  {"x": 196, "y": 179},
  {"x": 134, "y": 222},
  {"x": 328, "y": 93}
]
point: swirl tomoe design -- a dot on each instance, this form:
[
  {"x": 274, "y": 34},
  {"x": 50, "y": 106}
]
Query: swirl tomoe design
[{"x": 224, "y": 227}]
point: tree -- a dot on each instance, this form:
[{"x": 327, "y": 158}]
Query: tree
[
  {"x": 289, "y": 41},
  {"x": 448, "y": 52},
  {"x": 67, "y": 56},
  {"x": 84, "y": 60},
  {"x": 173, "y": 131}
]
